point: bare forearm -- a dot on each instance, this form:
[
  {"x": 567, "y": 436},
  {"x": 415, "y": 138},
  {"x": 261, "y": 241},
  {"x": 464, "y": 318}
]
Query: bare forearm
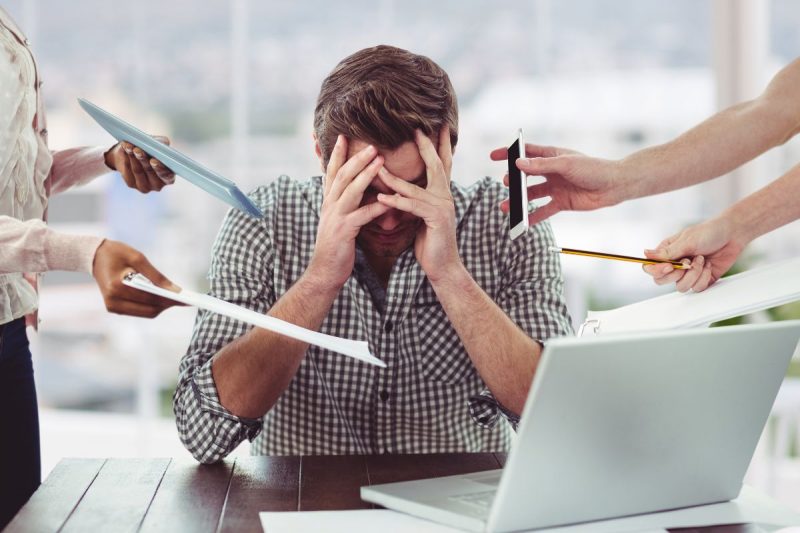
[
  {"x": 252, "y": 372},
  {"x": 506, "y": 358},
  {"x": 766, "y": 209},
  {"x": 721, "y": 143}
]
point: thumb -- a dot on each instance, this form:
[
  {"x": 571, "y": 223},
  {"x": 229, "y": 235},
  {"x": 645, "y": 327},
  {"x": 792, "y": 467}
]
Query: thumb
[{"x": 150, "y": 272}]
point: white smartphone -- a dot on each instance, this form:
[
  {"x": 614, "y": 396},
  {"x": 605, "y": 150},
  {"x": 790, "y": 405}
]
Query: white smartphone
[{"x": 517, "y": 190}]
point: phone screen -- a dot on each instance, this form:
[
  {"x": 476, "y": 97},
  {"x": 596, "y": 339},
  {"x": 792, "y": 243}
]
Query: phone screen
[{"x": 515, "y": 187}]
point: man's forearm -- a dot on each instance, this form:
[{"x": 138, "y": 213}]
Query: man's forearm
[
  {"x": 719, "y": 144},
  {"x": 766, "y": 209},
  {"x": 252, "y": 372},
  {"x": 506, "y": 358}
]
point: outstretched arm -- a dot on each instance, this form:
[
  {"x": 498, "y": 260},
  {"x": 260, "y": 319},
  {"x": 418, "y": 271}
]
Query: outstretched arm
[{"x": 714, "y": 147}]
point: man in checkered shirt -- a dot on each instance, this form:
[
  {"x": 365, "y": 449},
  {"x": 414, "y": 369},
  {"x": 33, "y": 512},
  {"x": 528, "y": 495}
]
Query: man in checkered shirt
[{"x": 383, "y": 248}]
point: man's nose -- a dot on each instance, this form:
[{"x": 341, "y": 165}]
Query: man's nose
[{"x": 390, "y": 220}]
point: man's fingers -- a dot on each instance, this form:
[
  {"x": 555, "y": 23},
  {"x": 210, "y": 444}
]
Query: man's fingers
[
  {"x": 409, "y": 205},
  {"x": 409, "y": 190},
  {"x": 445, "y": 150},
  {"x": 350, "y": 169},
  {"x": 367, "y": 213},
  {"x": 354, "y": 192},
  {"x": 336, "y": 160},
  {"x": 437, "y": 179}
]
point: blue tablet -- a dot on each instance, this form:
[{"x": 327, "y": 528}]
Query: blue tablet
[{"x": 187, "y": 168}]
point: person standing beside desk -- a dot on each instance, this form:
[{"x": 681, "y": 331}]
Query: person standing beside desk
[
  {"x": 29, "y": 174},
  {"x": 722, "y": 143},
  {"x": 383, "y": 248}
]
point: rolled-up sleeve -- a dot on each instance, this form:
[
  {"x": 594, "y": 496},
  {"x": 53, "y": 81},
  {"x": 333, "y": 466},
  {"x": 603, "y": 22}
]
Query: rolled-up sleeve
[
  {"x": 240, "y": 273},
  {"x": 532, "y": 296}
]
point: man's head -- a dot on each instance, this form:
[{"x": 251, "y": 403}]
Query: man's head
[{"x": 380, "y": 96}]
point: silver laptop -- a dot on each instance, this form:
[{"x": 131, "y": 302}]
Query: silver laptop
[{"x": 620, "y": 425}]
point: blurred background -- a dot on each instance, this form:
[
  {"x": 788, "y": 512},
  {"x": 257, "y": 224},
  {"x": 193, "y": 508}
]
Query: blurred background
[{"x": 233, "y": 83}]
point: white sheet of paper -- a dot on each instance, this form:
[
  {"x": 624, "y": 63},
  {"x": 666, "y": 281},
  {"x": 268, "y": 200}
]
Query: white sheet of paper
[
  {"x": 355, "y": 349},
  {"x": 747, "y": 292},
  {"x": 751, "y": 506}
]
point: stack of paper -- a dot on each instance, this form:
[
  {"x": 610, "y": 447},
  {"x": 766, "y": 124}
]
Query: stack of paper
[{"x": 750, "y": 291}]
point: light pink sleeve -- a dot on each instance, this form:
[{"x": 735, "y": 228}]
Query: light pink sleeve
[
  {"x": 33, "y": 247},
  {"x": 76, "y": 166}
]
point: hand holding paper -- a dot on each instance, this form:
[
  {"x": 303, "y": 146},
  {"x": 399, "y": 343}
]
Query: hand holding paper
[
  {"x": 747, "y": 292},
  {"x": 355, "y": 349}
]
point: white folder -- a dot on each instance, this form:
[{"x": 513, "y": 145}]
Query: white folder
[
  {"x": 180, "y": 164},
  {"x": 747, "y": 292},
  {"x": 355, "y": 349}
]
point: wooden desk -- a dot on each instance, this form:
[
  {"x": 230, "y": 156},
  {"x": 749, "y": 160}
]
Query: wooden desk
[{"x": 163, "y": 495}]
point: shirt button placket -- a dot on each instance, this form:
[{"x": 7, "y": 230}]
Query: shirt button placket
[{"x": 384, "y": 392}]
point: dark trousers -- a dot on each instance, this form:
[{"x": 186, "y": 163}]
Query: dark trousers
[{"x": 20, "y": 461}]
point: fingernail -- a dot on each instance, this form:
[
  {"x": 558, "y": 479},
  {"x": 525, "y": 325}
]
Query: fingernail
[
  {"x": 154, "y": 163},
  {"x": 666, "y": 269},
  {"x": 127, "y": 150},
  {"x": 138, "y": 154}
]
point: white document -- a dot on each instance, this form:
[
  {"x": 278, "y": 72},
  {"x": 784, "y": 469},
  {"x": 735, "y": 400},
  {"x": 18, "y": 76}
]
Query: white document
[
  {"x": 751, "y": 506},
  {"x": 355, "y": 349},
  {"x": 747, "y": 292}
]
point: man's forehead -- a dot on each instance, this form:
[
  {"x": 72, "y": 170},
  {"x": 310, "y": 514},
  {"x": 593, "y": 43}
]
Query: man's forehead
[{"x": 404, "y": 161}]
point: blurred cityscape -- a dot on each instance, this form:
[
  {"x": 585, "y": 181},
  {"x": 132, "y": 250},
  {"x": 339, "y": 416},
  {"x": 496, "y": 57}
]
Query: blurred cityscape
[{"x": 233, "y": 84}]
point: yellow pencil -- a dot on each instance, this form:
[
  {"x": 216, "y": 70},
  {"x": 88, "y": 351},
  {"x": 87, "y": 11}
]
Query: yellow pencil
[{"x": 602, "y": 255}]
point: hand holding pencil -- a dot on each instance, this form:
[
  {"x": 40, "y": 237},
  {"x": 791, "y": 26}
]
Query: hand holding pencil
[
  {"x": 693, "y": 259},
  {"x": 713, "y": 245}
]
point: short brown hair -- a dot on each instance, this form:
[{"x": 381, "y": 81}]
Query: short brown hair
[{"x": 380, "y": 95}]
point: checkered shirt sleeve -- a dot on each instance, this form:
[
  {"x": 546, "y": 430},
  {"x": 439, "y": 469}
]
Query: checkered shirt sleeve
[{"x": 240, "y": 273}]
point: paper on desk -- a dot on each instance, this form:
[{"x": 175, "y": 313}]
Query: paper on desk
[
  {"x": 747, "y": 292},
  {"x": 355, "y": 349},
  {"x": 751, "y": 506}
]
